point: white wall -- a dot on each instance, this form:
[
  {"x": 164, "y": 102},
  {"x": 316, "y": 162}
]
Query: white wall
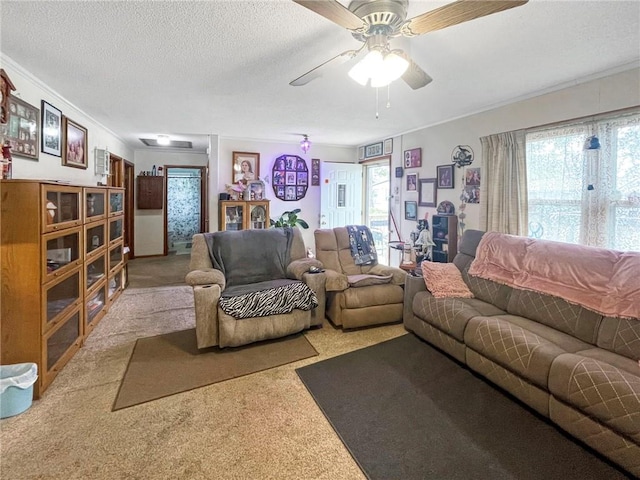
[
  {"x": 149, "y": 224},
  {"x": 32, "y": 91},
  {"x": 309, "y": 205},
  {"x": 606, "y": 94}
]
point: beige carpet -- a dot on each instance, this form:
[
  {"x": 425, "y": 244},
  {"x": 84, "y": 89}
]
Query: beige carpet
[
  {"x": 171, "y": 363},
  {"x": 158, "y": 271},
  {"x": 259, "y": 426}
]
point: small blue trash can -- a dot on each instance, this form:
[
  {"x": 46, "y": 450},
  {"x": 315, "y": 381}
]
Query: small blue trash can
[{"x": 16, "y": 388}]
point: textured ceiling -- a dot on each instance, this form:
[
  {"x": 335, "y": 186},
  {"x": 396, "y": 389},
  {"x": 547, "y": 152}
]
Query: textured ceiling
[{"x": 199, "y": 67}]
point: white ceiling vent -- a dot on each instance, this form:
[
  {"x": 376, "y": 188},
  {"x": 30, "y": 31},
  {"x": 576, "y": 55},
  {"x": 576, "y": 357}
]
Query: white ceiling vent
[{"x": 152, "y": 142}]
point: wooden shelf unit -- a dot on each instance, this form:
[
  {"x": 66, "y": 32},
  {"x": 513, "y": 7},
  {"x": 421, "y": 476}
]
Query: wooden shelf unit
[
  {"x": 55, "y": 271},
  {"x": 150, "y": 192},
  {"x": 243, "y": 215}
]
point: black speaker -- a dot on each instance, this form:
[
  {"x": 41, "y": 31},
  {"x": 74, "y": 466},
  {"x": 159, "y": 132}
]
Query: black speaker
[{"x": 224, "y": 196}]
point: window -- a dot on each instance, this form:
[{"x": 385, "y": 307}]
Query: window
[{"x": 582, "y": 195}]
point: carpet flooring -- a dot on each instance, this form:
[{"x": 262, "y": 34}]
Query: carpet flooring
[
  {"x": 171, "y": 363},
  {"x": 158, "y": 271},
  {"x": 406, "y": 411}
]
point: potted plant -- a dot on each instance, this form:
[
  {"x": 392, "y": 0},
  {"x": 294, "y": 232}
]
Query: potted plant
[{"x": 289, "y": 219}]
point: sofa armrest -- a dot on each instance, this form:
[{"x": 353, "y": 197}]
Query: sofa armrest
[
  {"x": 208, "y": 276},
  {"x": 399, "y": 275},
  {"x": 200, "y": 259},
  {"x": 205, "y": 299},
  {"x": 317, "y": 282},
  {"x": 297, "y": 268},
  {"x": 412, "y": 286},
  {"x": 336, "y": 281}
]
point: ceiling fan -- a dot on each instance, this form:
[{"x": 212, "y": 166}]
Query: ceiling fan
[{"x": 376, "y": 22}]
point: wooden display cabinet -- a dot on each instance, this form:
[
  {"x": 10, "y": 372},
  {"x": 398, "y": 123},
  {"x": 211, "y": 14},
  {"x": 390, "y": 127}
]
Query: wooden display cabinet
[
  {"x": 444, "y": 231},
  {"x": 243, "y": 215},
  {"x": 55, "y": 265}
]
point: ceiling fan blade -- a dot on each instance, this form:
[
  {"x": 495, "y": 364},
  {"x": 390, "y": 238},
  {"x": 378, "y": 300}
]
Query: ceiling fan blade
[
  {"x": 455, "y": 13},
  {"x": 415, "y": 76},
  {"x": 320, "y": 69},
  {"x": 334, "y": 11}
]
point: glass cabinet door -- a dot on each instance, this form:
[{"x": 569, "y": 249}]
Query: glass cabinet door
[
  {"x": 62, "y": 252},
  {"x": 259, "y": 214},
  {"x": 96, "y": 271},
  {"x": 232, "y": 215},
  {"x": 116, "y": 283},
  {"x": 116, "y": 257},
  {"x": 116, "y": 202},
  {"x": 61, "y": 340},
  {"x": 95, "y": 237},
  {"x": 60, "y": 296},
  {"x": 115, "y": 229},
  {"x": 95, "y": 304},
  {"x": 95, "y": 202},
  {"x": 60, "y": 207}
]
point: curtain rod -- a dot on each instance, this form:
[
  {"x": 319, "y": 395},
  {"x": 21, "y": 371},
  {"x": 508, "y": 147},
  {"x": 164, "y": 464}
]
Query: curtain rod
[{"x": 582, "y": 120}]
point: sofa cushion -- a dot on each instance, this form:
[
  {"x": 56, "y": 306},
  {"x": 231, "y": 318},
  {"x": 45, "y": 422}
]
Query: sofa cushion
[
  {"x": 619, "y": 361},
  {"x": 487, "y": 290},
  {"x": 372, "y": 295},
  {"x": 450, "y": 315},
  {"x": 600, "y": 390},
  {"x": 556, "y": 313},
  {"x": 620, "y": 335},
  {"x": 444, "y": 280},
  {"x": 513, "y": 347}
]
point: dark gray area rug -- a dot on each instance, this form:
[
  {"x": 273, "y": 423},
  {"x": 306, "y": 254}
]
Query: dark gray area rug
[{"x": 407, "y": 411}]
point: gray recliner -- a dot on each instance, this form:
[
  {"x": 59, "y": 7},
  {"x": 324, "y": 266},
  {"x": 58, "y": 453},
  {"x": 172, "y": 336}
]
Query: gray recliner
[{"x": 243, "y": 258}]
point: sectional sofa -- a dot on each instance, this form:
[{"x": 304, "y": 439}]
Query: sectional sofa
[{"x": 575, "y": 366}]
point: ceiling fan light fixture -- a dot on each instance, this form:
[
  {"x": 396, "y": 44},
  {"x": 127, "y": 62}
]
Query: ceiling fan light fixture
[
  {"x": 381, "y": 70},
  {"x": 362, "y": 71},
  {"x": 305, "y": 144},
  {"x": 164, "y": 140}
]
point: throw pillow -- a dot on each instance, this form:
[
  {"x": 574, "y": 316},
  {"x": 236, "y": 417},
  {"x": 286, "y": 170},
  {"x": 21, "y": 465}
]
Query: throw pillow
[
  {"x": 444, "y": 280},
  {"x": 364, "y": 280}
]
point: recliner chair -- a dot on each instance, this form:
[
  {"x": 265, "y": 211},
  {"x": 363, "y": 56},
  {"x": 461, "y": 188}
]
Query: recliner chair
[{"x": 357, "y": 296}]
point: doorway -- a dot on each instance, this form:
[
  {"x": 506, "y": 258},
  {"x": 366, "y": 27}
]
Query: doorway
[
  {"x": 185, "y": 211},
  {"x": 377, "y": 188}
]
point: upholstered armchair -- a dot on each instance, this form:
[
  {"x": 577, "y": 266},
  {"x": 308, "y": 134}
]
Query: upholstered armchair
[
  {"x": 231, "y": 272},
  {"x": 357, "y": 296}
]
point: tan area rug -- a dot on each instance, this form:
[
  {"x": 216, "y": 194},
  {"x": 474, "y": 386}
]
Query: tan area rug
[{"x": 171, "y": 363}]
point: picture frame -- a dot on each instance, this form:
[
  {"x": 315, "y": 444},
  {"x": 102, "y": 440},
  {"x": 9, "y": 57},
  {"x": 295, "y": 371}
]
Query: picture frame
[
  {"x": 360, "y": 153},
  {"x": 412, "y": 182},
  {"x": 245, "y": 167},
  {"x": 445, "y": 174},
  {"x": 413, "y": 158},
  {"x": 373, "y": 150},
  {"x": 255, "y": 190},
  {"x": 290, "y": 175},
  {"x": 388, "y": 146},
  {"x": 22, "y": 129},
  {"x": 51, "y": 129},
  {"x": 427, "y": 192},
  {"x": 411, "y": 210},
  {"x": 74, "y": 146},
  {"x": 315, "y": 172}
]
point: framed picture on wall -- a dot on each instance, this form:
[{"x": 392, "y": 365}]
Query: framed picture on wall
[
  {"x": 22, "y": 129},
  {"x": 427, "y": 192},
  {"x": 388, "y": 146},
  {"x": 75, "y": 144},
  {"x": 411, "y": 210},
  {"x": 246, "y": 166},
  {"x": 373, "y": 150},
  {"x": 412, "y": 182},
  {"x": 413, "y": 158},
  {"x": 51, "y": 123},
  {"x": 445, "y": 176}
]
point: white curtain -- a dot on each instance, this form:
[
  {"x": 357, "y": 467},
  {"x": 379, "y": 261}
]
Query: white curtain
[{"x": 504, "y": 186}]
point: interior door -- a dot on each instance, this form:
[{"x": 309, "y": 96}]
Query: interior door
[{"x": 340, "y": 194}]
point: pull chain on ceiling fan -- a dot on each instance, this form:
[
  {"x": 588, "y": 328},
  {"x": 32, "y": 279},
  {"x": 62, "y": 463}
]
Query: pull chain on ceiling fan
[{"x": 375, "y": 22}]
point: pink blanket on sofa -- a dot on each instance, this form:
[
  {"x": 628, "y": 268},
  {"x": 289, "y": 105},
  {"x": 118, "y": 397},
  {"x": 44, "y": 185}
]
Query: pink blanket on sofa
[{"x": 605, "y": 281}]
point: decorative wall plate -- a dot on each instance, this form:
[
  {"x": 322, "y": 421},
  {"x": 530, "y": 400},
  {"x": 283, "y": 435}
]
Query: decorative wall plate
[{"x": 462, "y": 156}]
